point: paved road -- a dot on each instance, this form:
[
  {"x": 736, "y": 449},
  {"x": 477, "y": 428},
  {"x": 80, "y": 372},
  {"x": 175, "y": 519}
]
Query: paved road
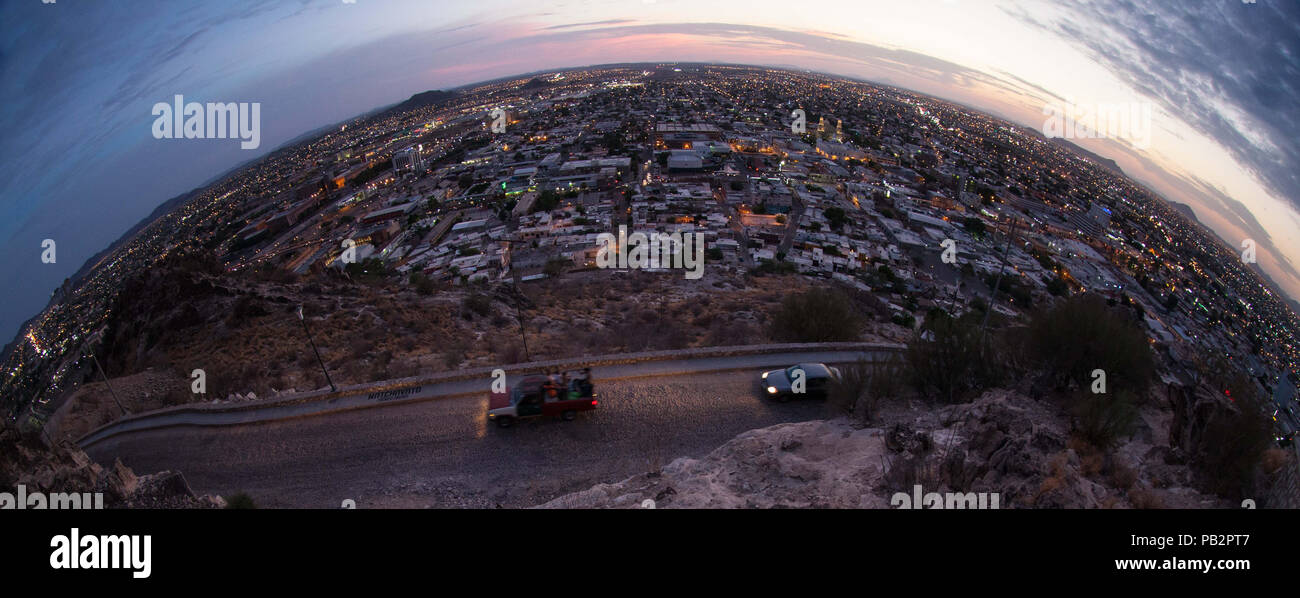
[
  {"x": 208, "y": 415},
  {"x": 443, "y": 453}
]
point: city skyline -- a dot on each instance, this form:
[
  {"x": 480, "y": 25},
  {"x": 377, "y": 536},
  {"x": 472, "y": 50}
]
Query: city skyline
[{"x": 92, "y": 170}]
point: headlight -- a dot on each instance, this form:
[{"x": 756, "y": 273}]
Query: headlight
[
  {"x": 765, "y": 375},
  {"x": 771, "y": 390}
]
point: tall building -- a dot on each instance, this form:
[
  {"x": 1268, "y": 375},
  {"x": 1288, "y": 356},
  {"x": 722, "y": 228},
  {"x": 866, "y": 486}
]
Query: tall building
[
  {"x": 408, "y": 159},
  {"x": 839, "y": 131},
  {"x": 1100, "y": 214}
]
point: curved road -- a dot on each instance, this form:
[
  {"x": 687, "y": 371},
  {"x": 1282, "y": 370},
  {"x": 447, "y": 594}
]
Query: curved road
[{"x": 444, "y": 453}]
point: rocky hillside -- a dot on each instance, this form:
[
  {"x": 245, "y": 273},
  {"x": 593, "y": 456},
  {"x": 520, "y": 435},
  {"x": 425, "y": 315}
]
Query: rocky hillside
[
  {"x": 1003, "y": 442},
  {"x": 243, "y": 331},
  {"x": 26, "y": 460}
]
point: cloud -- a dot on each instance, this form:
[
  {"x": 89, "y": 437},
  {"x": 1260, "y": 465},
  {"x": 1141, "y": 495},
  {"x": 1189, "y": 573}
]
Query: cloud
[
  {"x": 1229, "y": 69},
  {"x": 591, "y": 24}
]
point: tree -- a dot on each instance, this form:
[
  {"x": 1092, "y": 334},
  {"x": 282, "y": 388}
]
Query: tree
[
  {"x": 1234, "y": 441},
  {"x": 421, "y": 283},
  {"x": 546, "y": 201},
  {"x": 1171, "y": 302},
  {"x": 1080, "y": 335},
  {"x": 557, "y": 266},
  {"x": 370, "y": 266},
  {"x": 836, "y": 217}
]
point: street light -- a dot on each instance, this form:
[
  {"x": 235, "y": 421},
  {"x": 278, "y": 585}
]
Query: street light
[{"x": 313, "y": 348}]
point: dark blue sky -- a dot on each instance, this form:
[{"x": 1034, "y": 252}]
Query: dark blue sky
[{"x": 79, "y": 79}]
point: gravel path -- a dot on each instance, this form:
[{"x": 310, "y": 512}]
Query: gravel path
[{"x": 443, "y": 453}]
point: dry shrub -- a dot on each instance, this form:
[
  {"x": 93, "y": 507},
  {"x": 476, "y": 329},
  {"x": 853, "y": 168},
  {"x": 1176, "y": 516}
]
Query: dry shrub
[
  {"x": 1105, "y": 418},
  {"x": 1090, "y": 465},
  {"x": 511, "y": 353},
  {"x": 1122, "y": 477},
  {"x": 736, "y": 332},
  {"x": 1049, "y": 484},
  {"x": 909, "y": 470},
  {"x": 862, "y": 385},
  {"x": 1273, "y": 460},
  {"x": 1145, "y": 498},
  {"x": 818, "y": 315},
  {"x": 1059, "y": 473}
]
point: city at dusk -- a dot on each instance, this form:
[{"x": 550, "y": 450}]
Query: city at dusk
[{"x": 414, "y": 255}]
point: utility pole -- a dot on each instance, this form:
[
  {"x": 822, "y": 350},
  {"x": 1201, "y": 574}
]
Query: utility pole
[
  {"x": 313, "y": 348},
  {"x": 515, "y": 280},
  {"x": 31, "y": 410},
  {"x": 996, "y": 284},
  {"x": 519, "y": 315},
  {"x": 105, "y": 376}
]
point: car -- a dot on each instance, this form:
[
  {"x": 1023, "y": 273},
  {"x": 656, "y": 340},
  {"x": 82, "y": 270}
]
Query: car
[
  {"x": 817, "y": 380},
  {"x": 536, "y": 396}
]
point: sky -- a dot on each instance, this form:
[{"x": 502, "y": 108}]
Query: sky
[{"x": 79, "y": 78}]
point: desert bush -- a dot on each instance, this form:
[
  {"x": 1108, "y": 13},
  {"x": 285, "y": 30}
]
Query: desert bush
[
  {"x": 846, "y": 392},
  {"x": 1273, "y": 459},
  {"x": 910, "y": 470},
  {"x": 951, "y": 359},
  {"x": 646, "y": 331},
  {"x": 240, "y": 500},
  {"x": 862, "y": 385},
  {"x": 511, "y": 353},
  {"x": 407, "y": 342},
  {"x": 1145, "y": 498},
  {"x": 731, "y": 333},
  {"x": 818, "y": 315},
  {"x": 1081, "y": 334},
  {"x": 477, "y": 303},
  {"x": 422, "y": 284},
  {"x": 1122, "y": 477},
  {"x": 455, "y": 354},
  {"x": 245, "y": 308},
  {"x": 1235, "y": 444},
  {"x": 1103, "y": 418}
]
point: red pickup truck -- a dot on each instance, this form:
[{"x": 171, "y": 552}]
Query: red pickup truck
[{"x": 536, "y": 396}]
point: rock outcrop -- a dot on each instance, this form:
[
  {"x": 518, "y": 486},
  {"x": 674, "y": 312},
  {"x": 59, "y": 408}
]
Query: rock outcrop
[
  {"x": 1003, "y": 443},
  {"x": 26, "y": 460}
]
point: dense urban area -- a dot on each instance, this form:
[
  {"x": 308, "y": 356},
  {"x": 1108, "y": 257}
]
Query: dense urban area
[{"x": 931, "y": 208}]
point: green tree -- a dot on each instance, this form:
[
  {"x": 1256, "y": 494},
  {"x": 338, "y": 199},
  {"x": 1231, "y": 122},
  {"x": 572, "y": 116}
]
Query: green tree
[
  {"x": 836, "y": 217},
  {"x": 1057, "y": 287}
]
